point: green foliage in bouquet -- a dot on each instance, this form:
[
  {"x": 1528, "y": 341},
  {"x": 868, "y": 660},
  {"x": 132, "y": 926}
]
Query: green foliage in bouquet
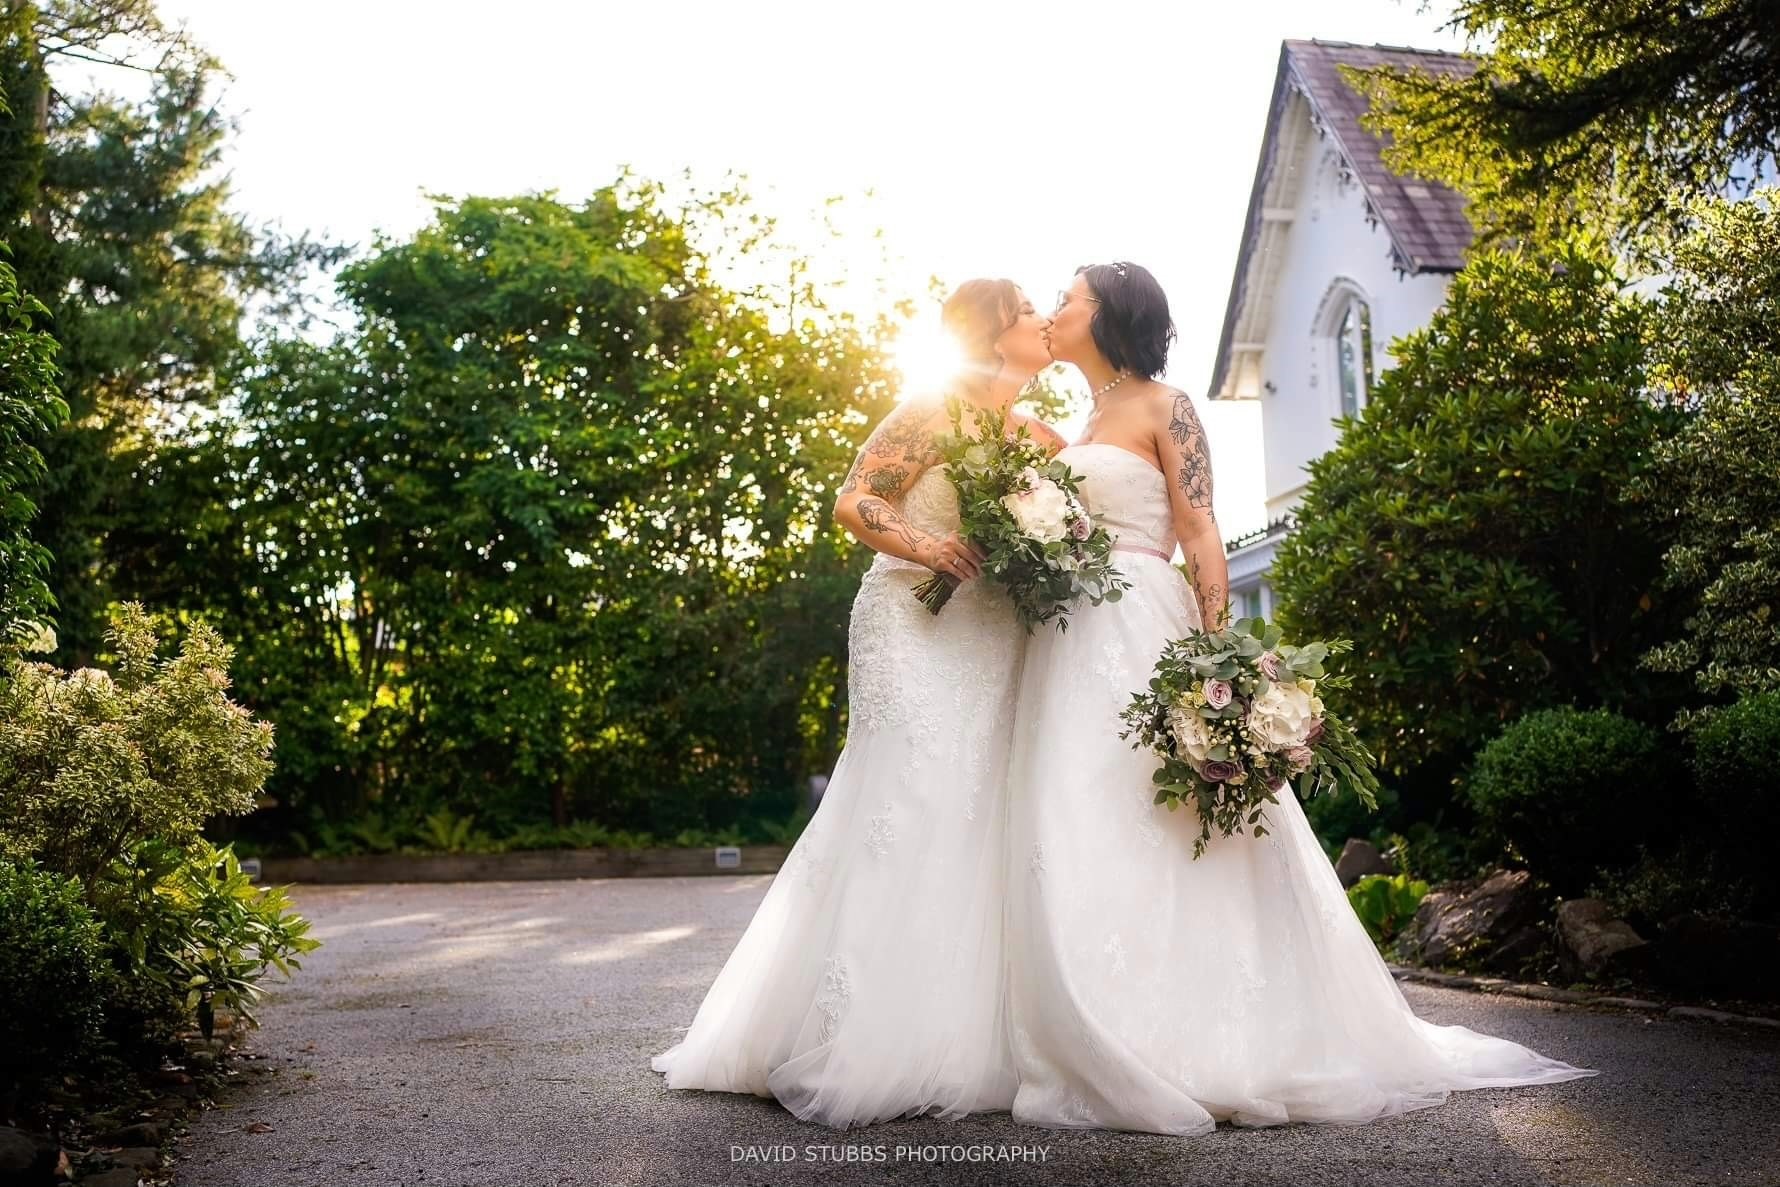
[
  {"x": 1235, "y": 714},
  {"x": 1023, "y": 510}
]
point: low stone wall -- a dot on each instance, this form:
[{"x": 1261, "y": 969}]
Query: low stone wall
[{"x": 533, "y": 864}]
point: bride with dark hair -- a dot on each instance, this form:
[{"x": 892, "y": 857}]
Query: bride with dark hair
[
  {"x": 1148, "y": 990},
  {"x": 869, "y": 983}
]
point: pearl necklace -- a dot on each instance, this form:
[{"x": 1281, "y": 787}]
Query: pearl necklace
[{"x": 1122, "y": 377}]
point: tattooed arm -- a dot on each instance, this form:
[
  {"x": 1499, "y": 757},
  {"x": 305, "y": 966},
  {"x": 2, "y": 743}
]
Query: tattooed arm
[
  {"x": 894, "y": 456},
  {"x": 1186, "y": 460}
]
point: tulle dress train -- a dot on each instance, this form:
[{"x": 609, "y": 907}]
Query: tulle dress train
[
  {"x": 869, "y": 983},
  {"x": 1152, "y": 992}
]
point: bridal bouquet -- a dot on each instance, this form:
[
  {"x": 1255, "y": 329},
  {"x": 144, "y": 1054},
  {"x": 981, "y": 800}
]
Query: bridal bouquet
[
  {"x": 1022, "y": 510},
  {"x": 1235, "y": 714}
]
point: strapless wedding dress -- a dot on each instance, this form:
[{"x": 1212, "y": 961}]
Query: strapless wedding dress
[
  {"x": 869, "y": 983},
  {"x": 1149, "y": 991}
]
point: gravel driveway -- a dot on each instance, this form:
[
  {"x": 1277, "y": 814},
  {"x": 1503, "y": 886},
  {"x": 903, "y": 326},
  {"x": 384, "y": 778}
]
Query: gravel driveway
[{"x": 499, "y": 1033}]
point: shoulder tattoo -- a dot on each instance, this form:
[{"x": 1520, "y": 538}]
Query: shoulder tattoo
[
  {"x": 904, "y": 432},
  {"x": 1184, "y": 429}
]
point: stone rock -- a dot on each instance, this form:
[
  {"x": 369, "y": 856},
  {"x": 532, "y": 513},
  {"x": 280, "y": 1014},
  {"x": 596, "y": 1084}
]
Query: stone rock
[
  {"x": 1359, "y": 858},
  {"x": 1709, "y": 954},
  {"x": 1477, "y": 919},
  {"x": 143, "y": 1133},
  {"x": 27, "y": 1159},
  {"x": 1592, "y": 943},
  {"x": 141, "y": 1157},
  {"x": 117, "y": 1176}
]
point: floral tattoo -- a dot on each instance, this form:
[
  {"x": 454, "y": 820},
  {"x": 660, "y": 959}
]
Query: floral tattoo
[{"x": 1185, "y": 430}]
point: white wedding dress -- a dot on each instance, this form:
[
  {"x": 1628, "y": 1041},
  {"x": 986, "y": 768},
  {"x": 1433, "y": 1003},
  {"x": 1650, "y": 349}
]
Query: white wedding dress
[
  {"x": 1149, "y": 991},
  {"x": 869, "y": 983}
]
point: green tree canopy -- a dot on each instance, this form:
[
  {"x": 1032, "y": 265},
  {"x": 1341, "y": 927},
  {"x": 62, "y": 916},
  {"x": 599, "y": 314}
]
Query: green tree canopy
[
  {"x": 1592, "y": 112},
  {"x": 548, "y": 531},
  {"x": 29, "y": 408},
  {"x": 1469, "y": 531},
  {"x": 1716, "y": 482},
  {"x": 119, "y": 220}
]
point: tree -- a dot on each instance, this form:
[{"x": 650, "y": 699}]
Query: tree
[
  {"x": 29, "y": 408},
  {"x": 118, "y": 220},
  {"x": 546, "y": 534},
  {"x": 1591, "y": 112},
  {"x": 1469, "y": 531},
  {"x": 1715, "y": 482}
]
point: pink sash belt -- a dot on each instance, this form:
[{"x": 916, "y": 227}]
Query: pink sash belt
[{"x": 1120, "y": 546}]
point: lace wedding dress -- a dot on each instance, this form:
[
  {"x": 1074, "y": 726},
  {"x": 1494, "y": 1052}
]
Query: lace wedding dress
[
  {"x": 869, "y": 983},
  {"x": 1149, "y": 991}
]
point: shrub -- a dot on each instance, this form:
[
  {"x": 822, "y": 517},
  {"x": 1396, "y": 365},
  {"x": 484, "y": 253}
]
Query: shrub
[
  {"x": 1470, "y": 532},
  {"x": 1573, "y": 790},
  {"x": 1696, "y": 879},
  {"x": 1736, "y": 768},
  {"x": 91, "y": 763},
  {"x": 52, "y": 973},
  {"x": 191, "y": 923},
  {"x": 1385, "y": 903},
  {"x": 195, "y": 923}
]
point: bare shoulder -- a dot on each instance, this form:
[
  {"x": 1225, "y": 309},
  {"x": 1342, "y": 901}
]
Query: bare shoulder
[{"x": 1172, "y": 410}]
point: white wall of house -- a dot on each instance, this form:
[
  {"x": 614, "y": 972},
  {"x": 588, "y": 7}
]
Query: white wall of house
[{"x": 1329, "y": 252}]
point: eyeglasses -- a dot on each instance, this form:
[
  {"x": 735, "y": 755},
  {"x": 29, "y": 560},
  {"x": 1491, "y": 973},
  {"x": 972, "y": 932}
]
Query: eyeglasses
[{"x": 1063, "y": 296}]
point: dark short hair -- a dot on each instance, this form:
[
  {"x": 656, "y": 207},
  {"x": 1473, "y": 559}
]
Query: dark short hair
[{"x": 1131, "y": 326}]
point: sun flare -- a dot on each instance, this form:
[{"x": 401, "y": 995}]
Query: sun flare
[{"x": 927, "y": 358}]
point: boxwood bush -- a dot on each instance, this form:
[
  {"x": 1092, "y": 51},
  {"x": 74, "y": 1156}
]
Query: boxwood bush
[{"x": 1573, "y": 790}]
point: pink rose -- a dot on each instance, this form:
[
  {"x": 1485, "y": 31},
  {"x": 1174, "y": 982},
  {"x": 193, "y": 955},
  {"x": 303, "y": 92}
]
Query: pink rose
[
  {"x": 1081, "y": 528},
  {"x": 1314, "y": 734},
  {"x": 1300, "y": 757},
  {"x": 1269, "y": 665},
  {"x": 1221, "y": 771},
  {"x": 1218, "y": 693}
]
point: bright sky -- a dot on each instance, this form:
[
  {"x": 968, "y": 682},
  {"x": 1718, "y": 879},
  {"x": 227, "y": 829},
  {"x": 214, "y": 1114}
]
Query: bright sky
[{"x": 1008, "y": 140}]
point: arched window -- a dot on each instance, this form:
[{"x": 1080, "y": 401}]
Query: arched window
[{"x": 1352, "y": 334}]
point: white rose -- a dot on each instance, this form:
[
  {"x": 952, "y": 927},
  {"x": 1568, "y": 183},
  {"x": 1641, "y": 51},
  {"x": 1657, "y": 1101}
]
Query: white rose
[
  {"x": 1191, "y": 738},
  {"x": 1041, "y": 512},
  {"x": 1280, "y": 716}
]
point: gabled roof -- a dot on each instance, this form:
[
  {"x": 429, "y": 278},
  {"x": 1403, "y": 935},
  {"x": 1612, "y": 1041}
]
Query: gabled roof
[{"x": 1425, "y": 220}]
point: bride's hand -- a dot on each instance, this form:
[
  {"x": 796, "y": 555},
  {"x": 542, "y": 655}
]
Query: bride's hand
[{"x": 953, "y": 556}]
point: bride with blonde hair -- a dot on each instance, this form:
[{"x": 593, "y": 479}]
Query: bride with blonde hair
[{"x": 869, "y": 983}]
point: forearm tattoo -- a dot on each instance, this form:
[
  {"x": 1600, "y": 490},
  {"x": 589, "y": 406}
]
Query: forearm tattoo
[
  {"x": 1194, "y": 476},
  {"x": 1213, "y": 613},
  {"x": 1214, "y": 597},
  {"x": 879, "y": 516}
]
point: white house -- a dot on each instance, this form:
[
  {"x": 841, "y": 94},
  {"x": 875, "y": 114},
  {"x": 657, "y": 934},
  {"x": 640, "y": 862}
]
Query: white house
[{"x": 1339, "y": 256}]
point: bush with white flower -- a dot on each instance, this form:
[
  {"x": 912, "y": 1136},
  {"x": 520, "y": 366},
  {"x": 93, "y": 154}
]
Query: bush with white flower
[
  {"x": 1023, "y": 510},
  {"x": 1236, "y": 714}
]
